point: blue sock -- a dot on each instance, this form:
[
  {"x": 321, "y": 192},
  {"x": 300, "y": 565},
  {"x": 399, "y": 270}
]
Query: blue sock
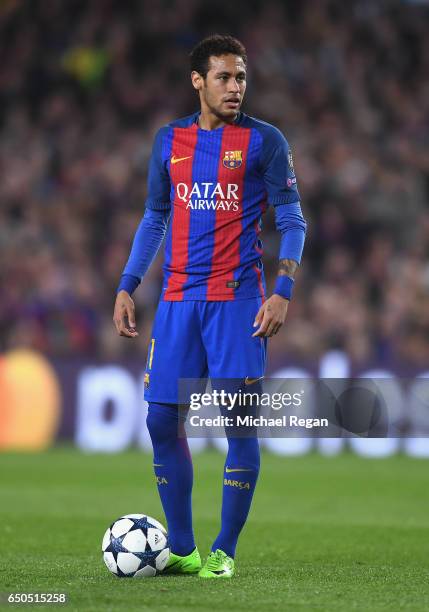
[
  {"x": 239, "y": 481},
  {"x": 174, "y": 475}
]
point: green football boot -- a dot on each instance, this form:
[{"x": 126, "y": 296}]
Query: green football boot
[
  {"x": 218, "y": 565},
  {"x": 191, "y": 564}
]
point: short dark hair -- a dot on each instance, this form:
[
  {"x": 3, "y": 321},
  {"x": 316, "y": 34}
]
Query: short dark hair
[{"x": 217, "y": 44}]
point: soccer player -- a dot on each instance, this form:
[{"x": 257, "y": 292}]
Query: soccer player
[{"x": 211, "y": 177}]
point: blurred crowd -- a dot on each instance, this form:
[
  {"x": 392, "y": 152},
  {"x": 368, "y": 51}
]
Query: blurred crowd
[{"x": 84, "y": 85}]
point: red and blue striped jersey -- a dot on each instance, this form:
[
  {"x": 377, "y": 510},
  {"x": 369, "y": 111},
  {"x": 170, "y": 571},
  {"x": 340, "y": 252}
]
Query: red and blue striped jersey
[{"x": 217, "y": 183}]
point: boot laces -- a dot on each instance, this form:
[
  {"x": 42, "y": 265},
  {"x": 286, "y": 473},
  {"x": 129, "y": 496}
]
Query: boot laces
[{"x": 215, "y": 558}]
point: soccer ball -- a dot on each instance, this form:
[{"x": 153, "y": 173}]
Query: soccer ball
[{"x": 135, "y": 545}]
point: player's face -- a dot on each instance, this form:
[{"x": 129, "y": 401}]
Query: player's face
[{"x": 222, "y": 91}]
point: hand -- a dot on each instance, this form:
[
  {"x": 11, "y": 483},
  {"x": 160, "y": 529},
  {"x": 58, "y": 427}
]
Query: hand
[
  {"x": 271, "y": 316},
  {"x": 124, "y": 308}
]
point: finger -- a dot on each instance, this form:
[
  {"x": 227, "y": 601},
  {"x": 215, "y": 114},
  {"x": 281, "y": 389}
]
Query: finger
[
  {"x": 274, "y": 330},
  {"x": 270, "y": 328},
  {"x": 277, "y": 325},
  {"x": 118, "y": 324},
  {"x": 264, "y": 326},
  {"x": 131, "y": 316},
  {"x": 259, "y": 316},
  {"x": 128, "y": 332},
  {"x": 123, "y": 330}
]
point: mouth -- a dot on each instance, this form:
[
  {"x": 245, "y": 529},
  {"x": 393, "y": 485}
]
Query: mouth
[{"x": 233, "y": 103}]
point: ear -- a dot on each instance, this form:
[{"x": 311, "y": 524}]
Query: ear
[{"x": 197, "y": 80}]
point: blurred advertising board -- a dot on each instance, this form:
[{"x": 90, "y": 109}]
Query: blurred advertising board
[{"x": 100, "y": 407}]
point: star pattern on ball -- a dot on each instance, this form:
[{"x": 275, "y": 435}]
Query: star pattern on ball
[
  {"x": 115, "y": 546},
  {"x": 141, "y": 523},
  {"x": 147, "y": 558}
]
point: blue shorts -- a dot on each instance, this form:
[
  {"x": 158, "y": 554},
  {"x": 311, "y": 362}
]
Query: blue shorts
[{"x": 198, "y": 339}]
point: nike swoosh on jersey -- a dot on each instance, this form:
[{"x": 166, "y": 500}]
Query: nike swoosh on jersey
[
  {"x": 250, "y": 381},
  {"x": 229, "y": 470},
  {"x": 176, "y": 160},
  {"x": 158, "y": 465}
]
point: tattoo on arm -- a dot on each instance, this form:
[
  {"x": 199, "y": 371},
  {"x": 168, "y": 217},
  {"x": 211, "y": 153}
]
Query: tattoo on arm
[{"x": 287, "y": 267}]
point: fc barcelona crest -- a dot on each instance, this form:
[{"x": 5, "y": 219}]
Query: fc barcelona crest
[{"x": 232, "y": 159}]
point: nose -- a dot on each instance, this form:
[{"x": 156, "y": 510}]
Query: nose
[{"x": 234, "y": 86}]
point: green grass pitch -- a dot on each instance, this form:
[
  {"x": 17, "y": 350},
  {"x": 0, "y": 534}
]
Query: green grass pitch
[{"x": 340, "y": 533}]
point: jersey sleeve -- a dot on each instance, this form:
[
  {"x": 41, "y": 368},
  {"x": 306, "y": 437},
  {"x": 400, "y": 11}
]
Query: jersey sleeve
[
  {"x": 292, "y": 226},
  {"x": 158, "y": 183},
  {"x": 146, "y": 243},
  {"x": 277, "y": 169}
]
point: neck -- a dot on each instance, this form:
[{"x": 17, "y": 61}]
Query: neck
[{"x": 209, "y": 121}]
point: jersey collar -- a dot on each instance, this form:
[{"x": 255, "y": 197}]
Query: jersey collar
[{"x": 237, "y": 121}]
